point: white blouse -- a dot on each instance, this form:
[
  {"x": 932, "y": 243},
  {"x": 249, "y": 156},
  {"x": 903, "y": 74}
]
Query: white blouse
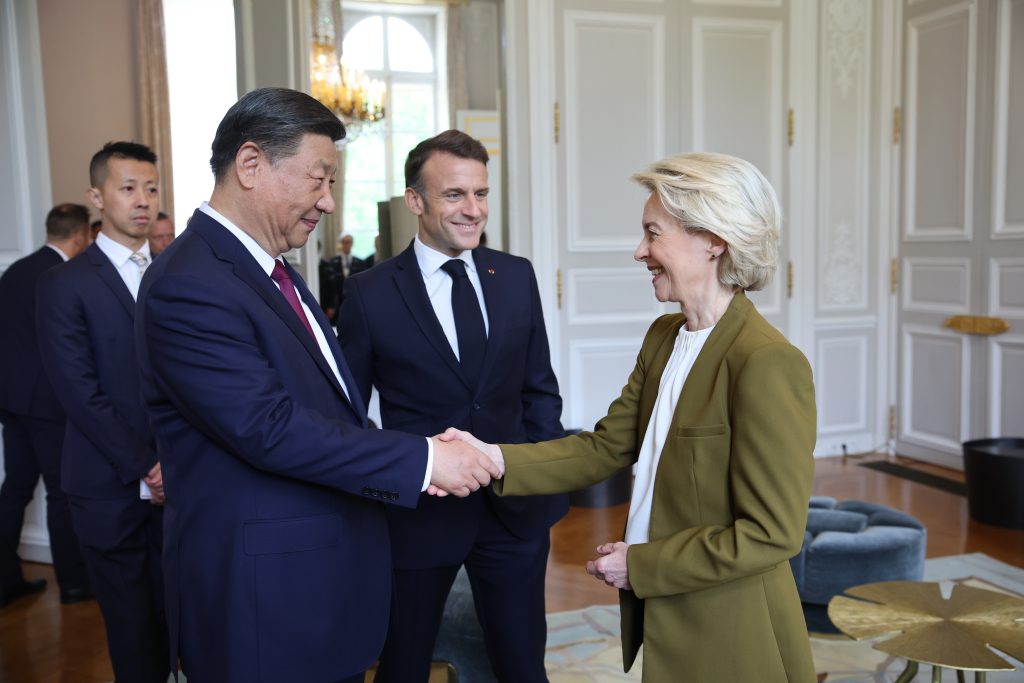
[{"x": 687, "y": 347}]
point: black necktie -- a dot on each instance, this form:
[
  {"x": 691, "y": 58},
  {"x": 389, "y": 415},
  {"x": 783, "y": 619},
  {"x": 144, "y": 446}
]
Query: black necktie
[{"x": 469, "y": 321}]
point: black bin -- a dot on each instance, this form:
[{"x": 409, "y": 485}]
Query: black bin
[{"x": 994, "y": 469}]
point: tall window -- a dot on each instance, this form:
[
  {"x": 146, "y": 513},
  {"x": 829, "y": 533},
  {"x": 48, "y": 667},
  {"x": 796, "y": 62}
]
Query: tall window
[
  {"x": 201, "y": 85},
  {"x": 404, "y": 47}
]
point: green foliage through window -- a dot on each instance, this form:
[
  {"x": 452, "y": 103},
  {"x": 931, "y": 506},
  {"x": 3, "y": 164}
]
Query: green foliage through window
[{"x": 397, "y": 46}]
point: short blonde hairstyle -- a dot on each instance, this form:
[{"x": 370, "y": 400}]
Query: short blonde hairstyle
[{"x": 728, "y": 197}]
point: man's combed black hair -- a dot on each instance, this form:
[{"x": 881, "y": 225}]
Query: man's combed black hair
[
  {"x": 275, "y": 119},
  {"x": 116, "y": 150}
]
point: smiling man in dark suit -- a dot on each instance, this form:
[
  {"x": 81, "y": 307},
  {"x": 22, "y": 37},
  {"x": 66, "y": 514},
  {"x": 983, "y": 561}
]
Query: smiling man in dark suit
[
  {"x": 33, "y": 420},
  {"x": 453, "y": 334},
  {"x": 84, "y": 316},
  {"x": 277, "y": 552}
]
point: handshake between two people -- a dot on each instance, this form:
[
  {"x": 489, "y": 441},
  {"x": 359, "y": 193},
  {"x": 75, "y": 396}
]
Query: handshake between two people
[{"x": 463, "y": 463}]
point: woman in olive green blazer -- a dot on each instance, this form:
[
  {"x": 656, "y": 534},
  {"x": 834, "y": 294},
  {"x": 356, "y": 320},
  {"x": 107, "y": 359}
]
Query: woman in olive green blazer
[{"x": 725, "y": 464}]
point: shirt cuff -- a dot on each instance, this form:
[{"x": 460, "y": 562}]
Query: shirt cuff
[{"x": 430, "y": 464}]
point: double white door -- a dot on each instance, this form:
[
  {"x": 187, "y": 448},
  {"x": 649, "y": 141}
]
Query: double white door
[
  {"x": 894, "y": 135},
  {"x": 631, "y": 83},
  {"x": 961, "y": 240}
]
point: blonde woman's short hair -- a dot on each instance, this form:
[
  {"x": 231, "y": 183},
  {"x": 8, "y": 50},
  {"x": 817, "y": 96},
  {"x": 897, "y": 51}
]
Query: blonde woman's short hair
[{"x": 730, "y": 198}]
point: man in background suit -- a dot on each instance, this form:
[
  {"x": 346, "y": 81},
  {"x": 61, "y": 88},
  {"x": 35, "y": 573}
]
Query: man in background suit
[
  {"x": 361, "y": 264},
  {"x": 325, "y": 272},
  {"x": 161, "y": 234},
  {"x": 344, "y": 264},
  {"x": 33, "y": 420},
  {"x": 278, "y": 562},
  {"x": 344, "y": 260},
  {"x": 452, "y": 334},
  {"x": 339, "y": 268},
  {"x": 85, "y": 316}
]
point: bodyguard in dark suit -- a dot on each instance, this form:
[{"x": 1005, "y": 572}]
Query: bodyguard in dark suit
[
  {"x": 451, "y": 334},
  {"x": 341, "y": 267},
  {"x": 277, "y": 555},
  {"x": 33, "y": 420},
  {"x": 85, "y": 316},
  {"x": 328, "y": 287}
]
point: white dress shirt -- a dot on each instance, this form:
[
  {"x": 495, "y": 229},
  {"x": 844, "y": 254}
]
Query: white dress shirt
[
  {"x": 687, "y": 348},
  {"x": 439, "y": 287},
  {"x": 266, "y": 262},
  {"x": 121, "y": 257}
]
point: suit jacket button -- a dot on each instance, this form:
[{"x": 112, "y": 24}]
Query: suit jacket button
[{"x": 477, "y": 406}]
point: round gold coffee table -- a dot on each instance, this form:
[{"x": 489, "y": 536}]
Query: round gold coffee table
[{"x": 929, "y": 629}]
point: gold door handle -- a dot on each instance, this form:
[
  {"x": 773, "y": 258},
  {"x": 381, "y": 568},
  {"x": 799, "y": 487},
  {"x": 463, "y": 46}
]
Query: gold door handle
[{"x": 977, "y": 324}]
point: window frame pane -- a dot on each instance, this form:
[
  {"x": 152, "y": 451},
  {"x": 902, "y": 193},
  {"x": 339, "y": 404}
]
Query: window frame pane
[{"x": 429, "y": 22}]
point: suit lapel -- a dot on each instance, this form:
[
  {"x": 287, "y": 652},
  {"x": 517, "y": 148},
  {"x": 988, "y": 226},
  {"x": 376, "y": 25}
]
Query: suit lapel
[
  {"x": 410, "y": 285},
  {"x": 229, "y": 249},
  {"x": 652, "y": 382},
  {"x": 494, "y": 288},
  {"x": 705, "y": 369},
  {"x": 106, "y": 272},
  {"x": 332, "y": 343}
]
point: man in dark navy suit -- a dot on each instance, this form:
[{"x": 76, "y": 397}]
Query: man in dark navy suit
[
  {"x": 453, "y": 334},
  {"x": 109, "y": 467},
  {"x": 33, "y": 420},
  {"x": 340, "y": 267},
  {"x": 277, "y": 555},
  {"x": 161, "y": 234}
]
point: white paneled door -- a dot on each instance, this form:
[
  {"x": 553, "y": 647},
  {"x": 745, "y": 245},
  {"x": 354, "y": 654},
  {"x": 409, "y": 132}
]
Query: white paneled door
[
  {"x": 961, "y": 243},
  {"x": 635, "y": 81},
  {"x": 848, "y": 307}
]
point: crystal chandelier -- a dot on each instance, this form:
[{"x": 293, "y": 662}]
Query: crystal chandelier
[{"x": 354, "y": 97}]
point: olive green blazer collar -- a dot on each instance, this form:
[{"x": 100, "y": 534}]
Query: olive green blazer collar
[{"x": 701, "y": 379}]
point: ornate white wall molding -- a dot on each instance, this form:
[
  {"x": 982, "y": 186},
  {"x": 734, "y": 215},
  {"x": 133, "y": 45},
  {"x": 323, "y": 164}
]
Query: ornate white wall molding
[
  {"x": 845, "y": 29},
  {"x": 844, "y": 268}
]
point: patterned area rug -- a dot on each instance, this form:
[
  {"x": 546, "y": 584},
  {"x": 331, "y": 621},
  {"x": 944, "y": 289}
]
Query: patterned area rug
[{"x": 584, "y": 647}]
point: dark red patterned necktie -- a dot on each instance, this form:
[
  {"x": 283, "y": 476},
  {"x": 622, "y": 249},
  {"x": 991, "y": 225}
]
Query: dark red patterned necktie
[{"x": 284, "y": 281}]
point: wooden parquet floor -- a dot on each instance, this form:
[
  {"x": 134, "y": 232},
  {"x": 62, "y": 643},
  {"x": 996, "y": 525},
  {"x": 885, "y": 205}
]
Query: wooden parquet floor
[{"x": 42, "y": 641}]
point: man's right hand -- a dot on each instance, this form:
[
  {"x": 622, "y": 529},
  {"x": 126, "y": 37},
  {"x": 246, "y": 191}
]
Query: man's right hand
[
  {"x": 155, "y": 481},
  {"x": 492, "y": 450},
  {"x": 460, "y": 469}
]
